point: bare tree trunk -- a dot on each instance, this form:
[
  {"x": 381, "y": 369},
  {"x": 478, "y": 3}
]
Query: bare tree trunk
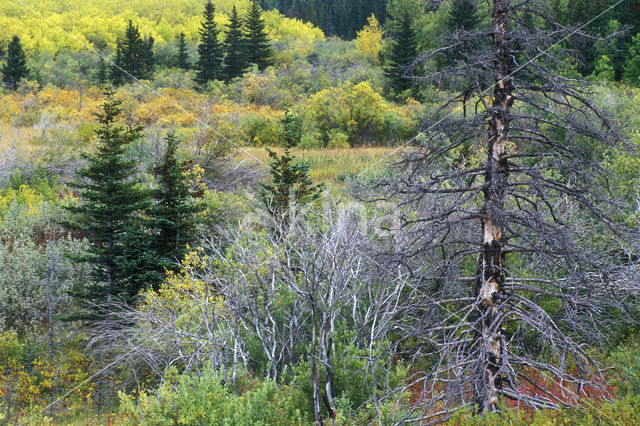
[
  {"x": 491, "y": 277},
  {"x": 314, "y": 370},
  {"x": 52, "y": 278},
  {"x": 327, "y": 342},
  {"x": 52, "y": 303}
]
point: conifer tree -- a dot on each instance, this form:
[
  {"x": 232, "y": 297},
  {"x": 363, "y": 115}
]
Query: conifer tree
[
  {"x": 404, "y": 50},
  {"x": 148, "y": 58},
  {"x": 234, "y": 48},
  {"x": 256, "y": 39},
  {"x": 102, "y": 74},
  {"x": 209, "y": 66},
  {"x": 463, "y": 15},
  {"x": 15, "y": 66},
  {"x": 116, "y": 75},
  {"x": 289, "y": 132},
  {"x": 182, "y": 60},
  {"x": 111, "y": 200},
  {"x": 134, "y": 56},
  {"x": 292, "y": 185},
  {"x": 631, "y": 74},
  {"x": 173, "y": 217}
]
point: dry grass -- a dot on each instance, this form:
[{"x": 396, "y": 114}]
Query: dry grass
[
  {"x": 19, "y": 137},
  {"x": 331, "y": 165},
  {"x": 327, "y": 165}
]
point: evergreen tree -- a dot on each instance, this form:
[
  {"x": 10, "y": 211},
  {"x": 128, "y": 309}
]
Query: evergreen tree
[
  {"x": 102, "y": 74},
  {"x": 134, "y": 56},
  {"x": 116, "y": 75},
  {"x": 182, "y": 60},
  {"x": 581, "y": 12},
  {"x": 148, "y": 58},
  {"x": 290, "y": 132},
  {"x": 463, "y": 15},
  {"x": 631, "y": 75},
  {"x": 404, "y": 50},
  {"x": 291, "y": 186},
  {"x": 111, "y": 200},
  {"x": 15, "y": 66},
  {"x": 173, "y": 217},
  {"x": 234, "y": 48},
  {"x": 209, "y": 66},
  {"x": 256, "y": 39}
]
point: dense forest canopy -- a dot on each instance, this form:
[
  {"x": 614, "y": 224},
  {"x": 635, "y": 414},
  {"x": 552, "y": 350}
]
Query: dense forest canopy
[
  {"x": 319, "y": 212},
  {"x": 334, "y": 17}
]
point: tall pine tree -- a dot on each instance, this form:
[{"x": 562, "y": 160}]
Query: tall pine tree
[
  {"x": 235, "y": 61},
  {"x": 116, "y": 75},
  {"x": 404, "y": 50},
  {"x": 182, "y": 59},
  {"x": 173, "y": 217},
  {"x": 148, "y": 58},
  {"x": 292, "y": 184},
  {"x": 15, "y": 66},
  {"x": 134, "y": 56},
  {"x": 463, "y": 15},
  {"x": 209, "y": 66},
  {"x": 102, "y": 75},
  {"x": 111, "y": 200},
  {"x": 256, "y": 39}
]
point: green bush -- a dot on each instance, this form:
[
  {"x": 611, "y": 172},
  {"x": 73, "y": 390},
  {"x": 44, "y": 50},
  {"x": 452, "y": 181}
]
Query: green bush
[
  {"x": 622, "y": 412},
  {"x": 310, "y": 140},
  {"x": 208, "y": 399},
  {"x": 627, "y": 360},
  {"x": 261, "y": 130}
]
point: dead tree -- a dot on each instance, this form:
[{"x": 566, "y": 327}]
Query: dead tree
[{"x": 509, "y": 222}]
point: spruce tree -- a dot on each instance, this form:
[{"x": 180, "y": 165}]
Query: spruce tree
[
  {"x": 209, "y": 66},
  {"x": 111, "y": 200},
  {"x": 631, "y": 73},
  {"x": 290, "y": 132},
  {"x": 182, "y": 60},
  {"x": 404, "y": 50},
  {"x": 15, "y": 66},
  {"x": 148, "y": 58},
  {"x": 258, "y": 46},
  {"x": 102, "y": 74},
  {"x": 116, "y": 75},
  {"x": 463, "y": 15},
  {"x": 292, "y": 185},
  {"x": 173, "y": 217},
  {"x": 134, "y": 56},
  {"x": 234, "y": 48}
]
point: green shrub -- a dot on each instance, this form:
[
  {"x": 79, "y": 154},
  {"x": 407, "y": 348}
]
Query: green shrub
[
  {"x": 208, "y": 399},
  {"x": 310, "y": 140},
  {"x": 627, "y": 360},
  {"x": 337, "y": 140},
  {"x": 261, "y": 130}
]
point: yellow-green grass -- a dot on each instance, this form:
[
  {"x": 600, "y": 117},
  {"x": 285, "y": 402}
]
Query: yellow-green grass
[
  {"x": 19, "y": 137},
  {"x": 327, "y": 165},
  {"x": 330, "y": 165}
]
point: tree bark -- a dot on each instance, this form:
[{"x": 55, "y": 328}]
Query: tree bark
[
  {"x": 491, "y": 276},
  {"x": 317, "y": 410}
]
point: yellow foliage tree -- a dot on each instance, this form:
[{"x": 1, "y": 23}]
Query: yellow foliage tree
[{"x": 369, "y": 40}]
